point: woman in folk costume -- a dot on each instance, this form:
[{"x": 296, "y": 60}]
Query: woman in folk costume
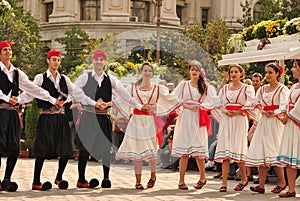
[
  {"x": 232, "y": 136},
  {"x": 190, "y": 134},
  {"x": 289, "y": 152},
  {"x": 266, "y": 139},
  {"x": 140, "y": 141}
]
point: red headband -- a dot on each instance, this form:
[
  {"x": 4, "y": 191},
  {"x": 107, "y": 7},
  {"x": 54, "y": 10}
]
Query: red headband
[
  {"x": 5, "y": 44},
  {"x": 99, "y": 54},
  {"x": 53, "y": 53}
]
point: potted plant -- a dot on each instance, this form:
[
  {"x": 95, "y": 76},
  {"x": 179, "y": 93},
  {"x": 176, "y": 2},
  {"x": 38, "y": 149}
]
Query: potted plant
[
  {"x": 24, "y": 149},
  {"x": 31, "y": 119},
  {"x": 236, "y": 43}
]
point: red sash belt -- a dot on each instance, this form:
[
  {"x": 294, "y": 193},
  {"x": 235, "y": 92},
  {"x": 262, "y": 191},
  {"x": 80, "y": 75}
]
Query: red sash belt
[
  {"x": 271, "y": 107},
  {"x": 140, "y": 112},
  {"x": 159, "y": 123},
  {"x": 233, "y": 107},
  {"x": 204, "y": 120}
]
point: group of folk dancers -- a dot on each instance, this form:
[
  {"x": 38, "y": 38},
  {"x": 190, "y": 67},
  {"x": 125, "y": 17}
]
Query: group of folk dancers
[{"x": 275, "y": 141}]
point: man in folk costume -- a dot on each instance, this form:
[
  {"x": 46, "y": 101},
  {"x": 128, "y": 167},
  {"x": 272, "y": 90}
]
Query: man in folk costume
[
  {"x": 95, "y": 128},
  {"x": 53, "y": 132},
  {"x": 12, "y": 80}
]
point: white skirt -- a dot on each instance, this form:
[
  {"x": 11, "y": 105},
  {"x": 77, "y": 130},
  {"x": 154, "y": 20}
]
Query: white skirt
[
  {"x": 189, "y": 138},
  {"x": 232, "y": 139},
  {"x": 289, "y": 151},
  {"x": 265, "y": 143},
  {"x": 140, "y": 141}
]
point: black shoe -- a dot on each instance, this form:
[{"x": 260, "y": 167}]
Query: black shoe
[
  {"x": 9, "y": 186},
  {"x": 94, "y": 183},
  {"x": 218, "y": 175},
  {"x": 62, "y": 184},
  {"x": 106, "y": 183}
]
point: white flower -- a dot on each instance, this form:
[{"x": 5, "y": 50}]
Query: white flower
[{"x": 5, "y": 4}]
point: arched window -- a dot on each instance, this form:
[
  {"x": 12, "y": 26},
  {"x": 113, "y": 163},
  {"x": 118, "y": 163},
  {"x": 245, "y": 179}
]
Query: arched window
[
  {"x": 90, "y": 9},
  {"x": 256, "y": 11}
]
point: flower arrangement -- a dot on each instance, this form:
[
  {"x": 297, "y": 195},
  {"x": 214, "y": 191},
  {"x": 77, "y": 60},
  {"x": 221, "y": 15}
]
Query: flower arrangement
[
  {"x": 117, "y": 68},
  {"x": 259, "y": 30},
  {"x": 270, "y": 29},
  {"x": 247, "y": 34},
  {"x": 275, "y": 28},
  {"x": 292, "y": 26}
]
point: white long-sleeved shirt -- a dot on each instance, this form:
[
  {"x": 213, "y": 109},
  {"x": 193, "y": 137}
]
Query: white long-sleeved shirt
[
  {"x": 117, "y": 87},
  {"x": 26, "y": 85},
  {"x": 74, "y": 91}
]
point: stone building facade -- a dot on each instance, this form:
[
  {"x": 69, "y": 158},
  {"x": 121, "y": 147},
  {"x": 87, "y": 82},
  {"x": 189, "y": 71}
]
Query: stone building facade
[{"x": 100, "y": 17}]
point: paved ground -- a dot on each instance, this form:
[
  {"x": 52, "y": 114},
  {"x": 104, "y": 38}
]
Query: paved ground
[{"x": 123, "y": 181}]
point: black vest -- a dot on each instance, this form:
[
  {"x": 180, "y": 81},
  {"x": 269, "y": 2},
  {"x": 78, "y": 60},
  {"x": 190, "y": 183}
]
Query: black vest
[
  {"x": 92, "y": 89},
  {"x": 48, "y": 85},
  {"x": 6, "y": 86}
]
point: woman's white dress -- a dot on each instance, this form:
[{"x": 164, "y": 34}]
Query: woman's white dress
[
  {"x": 267, "y": 135},
  {"x": 189, "y": 138},
  {"x": 232, "y": 135},
  {"x": 140, "y": 141},
  {"x": 289, "y": 151}
]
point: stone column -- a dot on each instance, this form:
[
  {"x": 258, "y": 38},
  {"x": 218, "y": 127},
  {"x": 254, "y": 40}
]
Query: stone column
[
  {"x": 63, "y": 11},
  {"x": 32, "y": 5},
  {"x": 168, "y": 13},
  {"x": 115, "y": 10}
]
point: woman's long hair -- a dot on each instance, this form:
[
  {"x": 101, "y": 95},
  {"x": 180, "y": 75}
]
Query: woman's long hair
[
  {"x": 139, "y": 81},
  {"x": 201, "y": 82}
]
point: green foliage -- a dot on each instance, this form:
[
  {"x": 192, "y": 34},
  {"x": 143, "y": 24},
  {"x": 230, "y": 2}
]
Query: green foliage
[
  {"x": 248, "y": 34},
  {"x": 110, "y": 45},
  {"x": 75, "y": 43},
  {"x": 117, "y": 68},
  {"x": 270, "y": 9},
  {"x": 292, "y": 26},
  {"x": 290, "y": 8},
  {"x": 79, "y": 70},
  {"x": 31, "y": 118},
  {"x": 24, "y": 32},
  {"x": 195, "y": 32},
  {"x": 246, "y": 21},
  {"x": 217, "y": 35}
]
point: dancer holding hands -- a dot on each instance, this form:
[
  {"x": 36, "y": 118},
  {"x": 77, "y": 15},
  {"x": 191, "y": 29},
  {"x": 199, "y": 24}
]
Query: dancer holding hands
[
  {"x": 190, "y": 134},
  {"x": 232, "y": 135},
  {"x": 264, "y": 146},
  {"x": 289, "y": 152},
  {"x": 140, "y": 141}
]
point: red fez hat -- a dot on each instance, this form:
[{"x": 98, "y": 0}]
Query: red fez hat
[
  {"x": 99, "y": 54},
  {"x": 5, "y": 44},
  {"x": 53, "y": 53}
]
